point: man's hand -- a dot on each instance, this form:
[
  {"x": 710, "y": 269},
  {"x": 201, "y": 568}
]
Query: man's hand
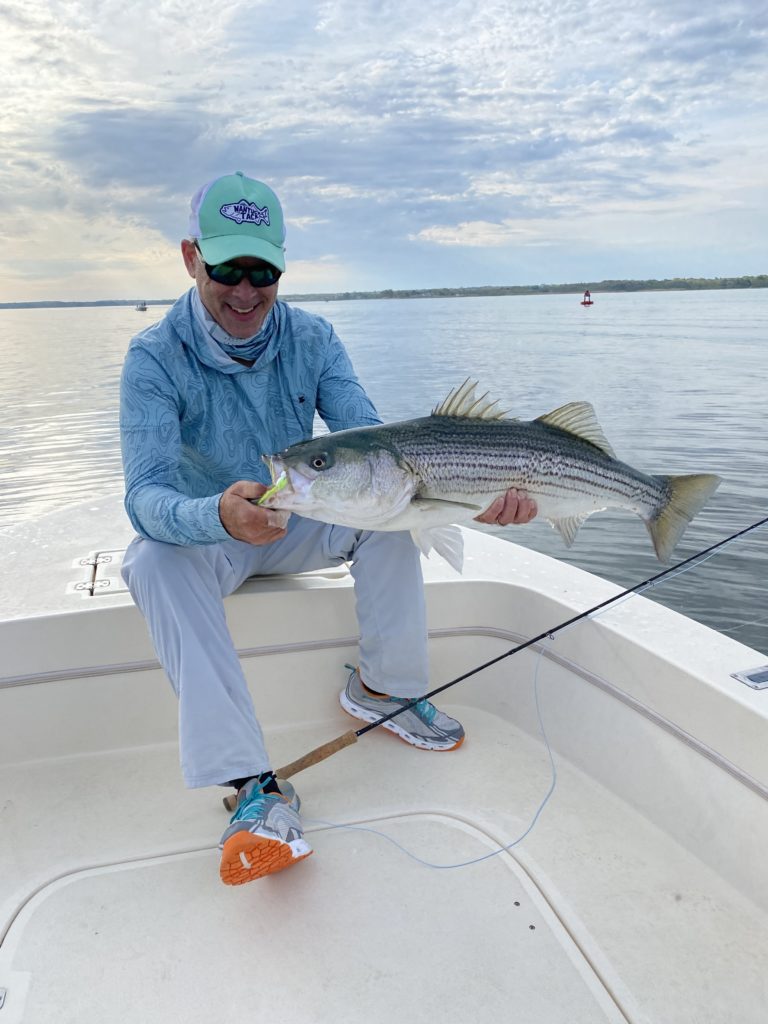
[
  {"x": 251, "y": 523},
  {"x": 514, "y": 507}
]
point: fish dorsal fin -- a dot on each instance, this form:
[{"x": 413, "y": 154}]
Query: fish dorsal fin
[
  {"x": 579, "y": 418},
  {"x": 463, "y": 402}
]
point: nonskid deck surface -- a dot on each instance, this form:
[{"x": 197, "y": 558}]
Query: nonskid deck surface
[
  {"x": 632, "y": 900},
  {"x": 110, "y": 879},
  {"x": 345, "y": 936}
]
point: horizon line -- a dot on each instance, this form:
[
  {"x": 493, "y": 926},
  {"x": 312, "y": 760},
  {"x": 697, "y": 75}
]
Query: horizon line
[{"x": 607, "y": 285}]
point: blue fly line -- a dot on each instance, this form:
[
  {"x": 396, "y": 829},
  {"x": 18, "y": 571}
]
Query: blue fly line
[
  {"x": 492, "y": 853},
  {"x": 663, "y": 577}
]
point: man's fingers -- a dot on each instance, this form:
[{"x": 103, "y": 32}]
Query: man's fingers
[
  {"x": 510, "y": 508},
  {"x": 248, "y": 489},
  {"x": 277, "y": 517},
  {"x": 517, "y": 509},
  {"x": 491, "y": 514},
  {"x": 527, "y": 510},
  {"x": 245, "y": 520}
]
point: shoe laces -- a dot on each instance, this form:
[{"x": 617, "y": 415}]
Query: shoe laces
[
  {"x": 253, "y": 805},
  {"x": 426, "y": 711},
  {"x": 423, "y": 708}
]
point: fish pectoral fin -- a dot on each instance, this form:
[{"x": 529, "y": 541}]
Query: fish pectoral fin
[
  {"x": 569, "y": 526},
  {"x": 431, "y": 504},
  {"x": 579, "y": 419},
  {"x": 447, "y": 541}
]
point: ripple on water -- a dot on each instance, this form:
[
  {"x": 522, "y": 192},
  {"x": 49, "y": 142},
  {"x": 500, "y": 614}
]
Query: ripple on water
[{"x": 677, "y": 381}]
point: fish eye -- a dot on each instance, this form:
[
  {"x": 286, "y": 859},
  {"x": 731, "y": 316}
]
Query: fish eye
[{"x": 319, "y": 461}]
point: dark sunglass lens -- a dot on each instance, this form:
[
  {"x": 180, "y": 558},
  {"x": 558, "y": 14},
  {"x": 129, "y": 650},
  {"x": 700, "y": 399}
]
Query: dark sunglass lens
[
  {"x": 230, "y": 275},
  {"x": 263, "y": 277},
  {"x": 225, "y": 273}
]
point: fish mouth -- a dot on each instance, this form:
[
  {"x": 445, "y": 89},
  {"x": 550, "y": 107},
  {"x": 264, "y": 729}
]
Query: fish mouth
[
  {"x": 275, "y": 466},
  {"x": 287, "y": 483},
  {"x": 278, "y": 476}
]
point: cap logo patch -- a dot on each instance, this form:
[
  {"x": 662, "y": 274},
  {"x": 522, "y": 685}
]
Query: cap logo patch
[{"x": 245, "y": 212}]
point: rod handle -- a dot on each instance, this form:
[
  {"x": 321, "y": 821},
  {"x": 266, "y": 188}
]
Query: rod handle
[
  {"x": 313, "y": 757},
  {"x": 318, "y": 754}
]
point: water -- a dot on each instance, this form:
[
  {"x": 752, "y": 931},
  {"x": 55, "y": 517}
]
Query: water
[{"x": 678, "y": 380}]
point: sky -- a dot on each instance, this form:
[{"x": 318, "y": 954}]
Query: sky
[{"x": 413, "y": 144}]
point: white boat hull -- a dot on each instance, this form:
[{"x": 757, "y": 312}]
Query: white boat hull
[{"x": 639, "y": 894}]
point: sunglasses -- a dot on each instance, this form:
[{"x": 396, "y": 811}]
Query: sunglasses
[{"x": 230, "y": 275}]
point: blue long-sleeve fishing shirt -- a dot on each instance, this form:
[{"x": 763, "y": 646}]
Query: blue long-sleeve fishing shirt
[{"x": 193, "y": 421}]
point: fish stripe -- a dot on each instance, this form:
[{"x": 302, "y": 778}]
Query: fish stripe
[{"x": 463, "y": 456}]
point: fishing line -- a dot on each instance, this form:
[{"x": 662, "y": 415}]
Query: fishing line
[
  {"x": 665, "y": 575},
  {"x": 351, "y": 736},
  {"x": 691, "y": 562},
  {"x": 493, "y": 853}
]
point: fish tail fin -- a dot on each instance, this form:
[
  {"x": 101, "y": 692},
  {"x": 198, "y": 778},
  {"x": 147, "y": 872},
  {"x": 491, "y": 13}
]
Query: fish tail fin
[{"x": 687, "y": 496}]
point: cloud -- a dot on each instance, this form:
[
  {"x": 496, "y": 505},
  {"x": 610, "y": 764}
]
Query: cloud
[
  {"x": 130, "y": 145},
  {"x": 479, "y": 234},
  {"x": 391, "y": 132}
]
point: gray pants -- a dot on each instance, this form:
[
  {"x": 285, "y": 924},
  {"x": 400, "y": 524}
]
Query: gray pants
[{"x": 180, "y": 592}]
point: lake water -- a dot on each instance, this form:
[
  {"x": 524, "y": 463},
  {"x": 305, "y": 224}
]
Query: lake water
[{"x": 678, "y": 381}]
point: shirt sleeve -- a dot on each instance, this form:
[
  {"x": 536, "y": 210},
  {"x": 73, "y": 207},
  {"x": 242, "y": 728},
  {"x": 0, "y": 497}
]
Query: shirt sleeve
[
  {"x": 341, "y": 399},
  {"x": 150, "y": 438}
]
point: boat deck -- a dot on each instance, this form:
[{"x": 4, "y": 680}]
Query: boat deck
[
  {"x": 629, "y": 899},
  {"x": 597, "y": 915}
]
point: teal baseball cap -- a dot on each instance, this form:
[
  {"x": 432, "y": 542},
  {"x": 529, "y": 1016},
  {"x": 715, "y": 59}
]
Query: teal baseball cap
[{"x": 234, "y": 216}]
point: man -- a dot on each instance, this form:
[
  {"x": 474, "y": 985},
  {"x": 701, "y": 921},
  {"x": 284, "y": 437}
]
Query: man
[{"x": 229, "y": 374}]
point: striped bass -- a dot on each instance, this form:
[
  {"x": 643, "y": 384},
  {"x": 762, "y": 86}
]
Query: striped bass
[{"x": 449, "y": 466}]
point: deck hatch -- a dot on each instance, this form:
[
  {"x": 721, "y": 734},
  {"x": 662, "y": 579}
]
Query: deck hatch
[{"x": 483, "y": 916}]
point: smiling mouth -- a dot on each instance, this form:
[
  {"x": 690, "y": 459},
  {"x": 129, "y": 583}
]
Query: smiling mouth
[{"x": 242, "y": 312}]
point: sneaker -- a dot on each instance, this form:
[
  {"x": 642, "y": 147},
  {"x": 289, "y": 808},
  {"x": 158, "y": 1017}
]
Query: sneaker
[
  {"x": 422, "y": 725},
  {"x": 264, "y": 834}
]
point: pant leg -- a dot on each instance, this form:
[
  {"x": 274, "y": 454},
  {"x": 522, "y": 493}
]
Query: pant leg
[
  {"x": 389, "y": 595},
  {"x": 180, "y": 591},
  {"x": 391, "y": 614}
]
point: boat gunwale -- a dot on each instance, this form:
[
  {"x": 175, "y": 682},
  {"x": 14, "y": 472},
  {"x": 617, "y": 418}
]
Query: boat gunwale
[{"x": 507, "y": 635}]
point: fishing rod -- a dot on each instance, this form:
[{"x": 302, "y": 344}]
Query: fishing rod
[{"x": 327, "y": 750}]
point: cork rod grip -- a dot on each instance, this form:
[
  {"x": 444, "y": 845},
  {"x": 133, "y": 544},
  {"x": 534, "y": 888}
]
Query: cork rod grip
[
  {"x": 317, "y": 755},
  {"x": 313, "y": 757}
]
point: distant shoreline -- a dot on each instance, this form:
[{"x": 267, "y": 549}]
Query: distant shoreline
[{"x": 678, "y": 284}]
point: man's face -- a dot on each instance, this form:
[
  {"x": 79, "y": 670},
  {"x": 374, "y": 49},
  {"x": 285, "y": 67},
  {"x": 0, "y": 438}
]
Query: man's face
[{"x": 242, "y": 309}]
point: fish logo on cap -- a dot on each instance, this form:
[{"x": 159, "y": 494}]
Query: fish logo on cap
[{"x": 245, "y": 212}]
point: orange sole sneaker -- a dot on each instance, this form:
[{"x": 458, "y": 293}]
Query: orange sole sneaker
[
  {"x": 246, "y": 857},
  {"x": 405, "y": 737},
  {"x": 417, "y": 722}
]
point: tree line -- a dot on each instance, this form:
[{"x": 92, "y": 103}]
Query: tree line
[
  {"x": 573, "y": 288},
  {"x": 596, "y": 287}
]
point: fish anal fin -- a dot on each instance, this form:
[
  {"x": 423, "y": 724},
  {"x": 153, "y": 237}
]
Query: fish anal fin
[
  {"x": 463, "y": 402},
  {"x": 579, "y": 419},
  {"x": 447, "y": 541},
  {"x": 568, "y": 527}
]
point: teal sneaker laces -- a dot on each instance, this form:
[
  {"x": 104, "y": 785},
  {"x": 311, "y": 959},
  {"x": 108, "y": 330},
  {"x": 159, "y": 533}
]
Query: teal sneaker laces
[
  {"x": 253, "y": 805},
  {"x": 423, "y": 708},
  {"x": 426, "y": 711}
]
